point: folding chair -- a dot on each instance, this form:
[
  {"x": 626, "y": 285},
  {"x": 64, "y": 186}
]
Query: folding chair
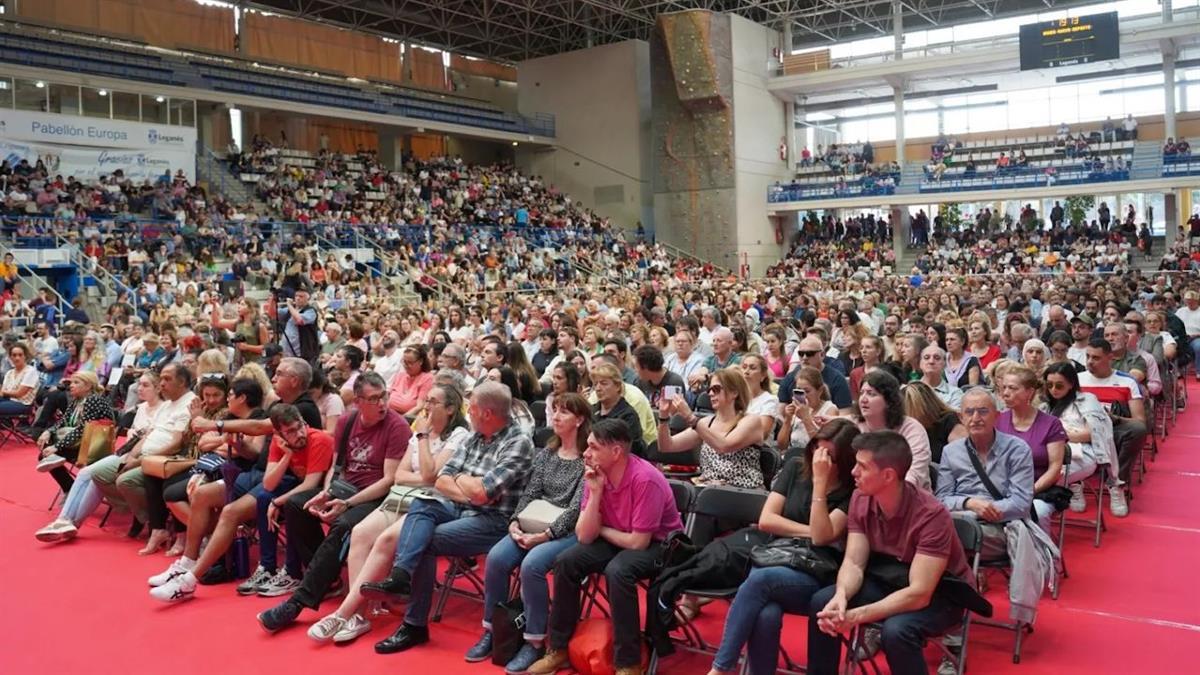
[
  {"x": 541, "y": 436},
  {"x": 737, "y": 507},
  {"x": 538, "y": 409},
  {"x": 970, "y": 534},
  {"x": 10, "y": 427},
  {"x": 769, "y": 460},
  {"x": 1019, "y": 629},
  {"x": 459, "y": 568}
]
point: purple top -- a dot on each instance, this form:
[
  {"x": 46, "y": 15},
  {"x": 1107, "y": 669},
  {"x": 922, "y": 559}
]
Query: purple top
[{"x": 1046, "y": 429}]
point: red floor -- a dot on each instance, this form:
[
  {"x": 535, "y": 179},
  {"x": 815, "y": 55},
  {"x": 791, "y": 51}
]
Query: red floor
[{"x": 1129, "y": 607}]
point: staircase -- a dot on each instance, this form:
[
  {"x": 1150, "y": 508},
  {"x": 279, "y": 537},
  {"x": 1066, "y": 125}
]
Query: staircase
[
  {"x": 911, "y": 177},
  {"x": 214, "y": 173},
  {"x": 1147, "y": 160}
]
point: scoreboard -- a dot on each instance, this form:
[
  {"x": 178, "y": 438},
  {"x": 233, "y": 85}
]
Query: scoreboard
[{"x": 1070, "y": 42}]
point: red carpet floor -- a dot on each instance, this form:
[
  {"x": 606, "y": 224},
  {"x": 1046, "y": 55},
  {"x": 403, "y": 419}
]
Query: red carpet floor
[{"x": 1129, "y": 607}]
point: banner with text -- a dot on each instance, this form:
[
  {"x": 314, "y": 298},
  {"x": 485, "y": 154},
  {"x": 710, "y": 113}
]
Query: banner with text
[
  {"x": 88, "y": 164},
  {"x": 39, "y": 127}
]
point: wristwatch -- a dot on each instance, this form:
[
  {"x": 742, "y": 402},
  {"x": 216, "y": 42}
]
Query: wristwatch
[
  {"x": 422, "y": 435},
  {"x": 220, "y": 426}
]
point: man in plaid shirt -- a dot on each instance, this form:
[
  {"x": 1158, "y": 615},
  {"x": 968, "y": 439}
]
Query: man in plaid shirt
[{"x": 481, "y": 485}]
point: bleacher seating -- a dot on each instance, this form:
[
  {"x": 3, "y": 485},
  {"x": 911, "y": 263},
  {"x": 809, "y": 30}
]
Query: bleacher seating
[
  {"x": 1048, "y": 163},
  {"x": 1180, "y": 164},
  {"x": 43, "y": 47}
]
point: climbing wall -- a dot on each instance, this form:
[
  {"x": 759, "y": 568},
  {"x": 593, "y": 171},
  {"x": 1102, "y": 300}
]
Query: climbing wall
[{"x": 691, "y": 80}]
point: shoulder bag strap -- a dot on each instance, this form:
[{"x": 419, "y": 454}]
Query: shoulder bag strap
[
  {"x": 987, "y": 482},
  {"x": 343, "y": 448}
]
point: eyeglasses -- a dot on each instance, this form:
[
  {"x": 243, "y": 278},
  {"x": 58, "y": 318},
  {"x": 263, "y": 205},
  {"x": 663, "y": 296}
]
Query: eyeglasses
[
  {"x": 715, "y": 389},
  {"x": 806, "y": 353},
  {"x": 374, "y": 400},
  {"x": 1057, "y": 384},
  {"x": 213, "y": 376},
  {"x": 976, "y": 412}
]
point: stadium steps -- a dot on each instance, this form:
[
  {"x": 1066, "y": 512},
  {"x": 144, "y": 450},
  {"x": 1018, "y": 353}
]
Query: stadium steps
[
  {"x": 217, "y": 178},
  {"x": 911, "y": 177},
  {"x": 1147, "y": 160}
]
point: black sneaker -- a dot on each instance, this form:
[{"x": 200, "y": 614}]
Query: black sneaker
[
  {"x": 135, "y": 528},
  {"x": 280, "y": 616},
  {"x": 217, "y": 574}
]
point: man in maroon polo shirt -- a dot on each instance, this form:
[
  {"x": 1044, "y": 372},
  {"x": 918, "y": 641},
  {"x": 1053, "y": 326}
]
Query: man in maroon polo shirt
[{"x": 899, "y": 520}]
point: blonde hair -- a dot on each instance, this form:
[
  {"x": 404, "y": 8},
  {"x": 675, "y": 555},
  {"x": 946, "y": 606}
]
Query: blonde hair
[
  {"x": 923, "y": 404},
  {"x": 733, "y": 380},
  {"x": 93, "y": 382},
  {"x": 212, "y": 361},
  {"x": 254, "y": 371},
  {"x": 605, "y": 371}
]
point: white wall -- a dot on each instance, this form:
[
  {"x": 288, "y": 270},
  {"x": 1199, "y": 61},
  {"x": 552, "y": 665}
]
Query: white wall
[
  {"x": 601, "y": 100},
  {"x": 760, "y": 125}
]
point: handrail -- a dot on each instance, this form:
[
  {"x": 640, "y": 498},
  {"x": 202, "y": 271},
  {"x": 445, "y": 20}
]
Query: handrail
[
  {"x": 677, "y": 252},
  {"x": 34, "y": 279},
  {"x": 105, "y": 278}
]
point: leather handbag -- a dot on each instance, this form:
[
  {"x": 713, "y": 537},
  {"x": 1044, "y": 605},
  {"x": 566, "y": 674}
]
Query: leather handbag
[
  {"x": 98, "y": 441},
  {"x": 538, "y": 515},
  {"x": 799, "y": 554},
  {"x": 161, "y": 466}
]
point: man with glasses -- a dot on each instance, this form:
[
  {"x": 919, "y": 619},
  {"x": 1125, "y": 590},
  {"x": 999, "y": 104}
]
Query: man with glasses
[
  {"x": 369, "y": 446},
  {"x": 298, "y": 458},
  {"x": 481, "y": 485},
  {"x": 812, "y": 354},
  {"x": 1006, "y": 460}
]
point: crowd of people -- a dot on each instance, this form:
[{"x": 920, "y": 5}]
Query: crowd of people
[
  {"x": 531, "y": 433},
  {"x": 946, "y": 152}
]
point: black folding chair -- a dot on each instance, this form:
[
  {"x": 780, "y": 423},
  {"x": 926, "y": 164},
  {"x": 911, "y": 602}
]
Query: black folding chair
[
  {"x": 769, "y": 460},
  {"x": 538, "y": 409},
  {"x": 460, "y": 568},
  {"x": 970, "y": 534}
]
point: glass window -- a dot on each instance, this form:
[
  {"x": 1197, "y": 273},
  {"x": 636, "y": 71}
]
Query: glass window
[
  {"x": 125, "y": 106},
  {"x": 154, "y": 109},
  {"x": 64, "y": 98},
  {"x": 6, "y": 92},
  {"x": 183, "y": 112},
  {"x": 30, "y": 95},
  {"x": 95, "y": 103}
]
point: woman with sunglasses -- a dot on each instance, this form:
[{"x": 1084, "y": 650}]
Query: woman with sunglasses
[
  {"x": 810, "y": 498},
  {"x": 438, "y": 432},
  {"x": 1042, "y": 431},
  {"x": 1087, "y": 425},
  {"x": 727, "y": 440}
]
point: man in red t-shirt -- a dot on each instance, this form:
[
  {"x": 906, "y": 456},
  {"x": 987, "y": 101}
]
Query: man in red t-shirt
[{"x": 902, "y": 522}]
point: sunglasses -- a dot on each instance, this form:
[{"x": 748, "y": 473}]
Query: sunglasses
[
  {"x": 806, "y": 353},
  {"x": 715, "y": 389}
]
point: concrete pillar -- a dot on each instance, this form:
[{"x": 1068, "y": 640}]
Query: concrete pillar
[
  {"x": 391, "y": 147},
  {"x": 898, "y": 97},
  {"x": 898, "y": 28},
  {"x": 899, "y": 235},
  {"x": 1169, "y": 88}
]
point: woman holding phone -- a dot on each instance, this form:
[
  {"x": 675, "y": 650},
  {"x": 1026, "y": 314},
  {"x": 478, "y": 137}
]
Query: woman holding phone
[{"x": 810, "y": 404}]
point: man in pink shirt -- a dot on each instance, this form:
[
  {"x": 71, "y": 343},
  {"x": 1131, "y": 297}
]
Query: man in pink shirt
[{"x": 626, "y": 512}]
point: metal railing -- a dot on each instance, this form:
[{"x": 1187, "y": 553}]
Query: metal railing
[
  {"x": 35, "y": 280},
  {"x": 106, "y": 280}
]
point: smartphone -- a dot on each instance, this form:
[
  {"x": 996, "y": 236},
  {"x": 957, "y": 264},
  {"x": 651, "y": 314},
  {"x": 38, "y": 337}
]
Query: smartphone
[
  {"x": 798, "y": 396},
  {"x": 671, "y": 391}
]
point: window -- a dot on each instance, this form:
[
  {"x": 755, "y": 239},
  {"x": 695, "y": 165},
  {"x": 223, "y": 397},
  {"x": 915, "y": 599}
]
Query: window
[
  {"x": 183, "y": 112},
  {"x": 6, "y": 92},
  {"x": 30, "y": 95},
  {"x": 95, "y": 103},
  {"x": 125, "y": 106},
  {"x": 154, "y": 109},
  {"x": 64, "y": 98}
]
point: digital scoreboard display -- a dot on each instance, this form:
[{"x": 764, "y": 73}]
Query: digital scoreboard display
[{"x": 1070, "y": 42}]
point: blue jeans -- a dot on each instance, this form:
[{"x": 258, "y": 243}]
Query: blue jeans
[
  {"x": 535, "y": 563},
  {"x": 756, "y": 617},
  {"x": 12, "y": 407},
  {"x": 1194, "y": 343},
  {"x": 84, "y": 496},
  {"x": 250, "y": 482},
  {"x": 434, "y": 528},
  {"x": 904, "y": 634}
]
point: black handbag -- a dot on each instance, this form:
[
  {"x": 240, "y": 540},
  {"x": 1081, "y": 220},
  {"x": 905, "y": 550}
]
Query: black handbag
[
  {"x": 1057, "y": 496},
  {"x": 508, "y": 630},
  {"x": 799, "y": 554}
]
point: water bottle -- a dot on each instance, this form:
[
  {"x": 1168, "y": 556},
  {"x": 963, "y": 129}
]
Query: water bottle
[{"x": 241, "y": 556}]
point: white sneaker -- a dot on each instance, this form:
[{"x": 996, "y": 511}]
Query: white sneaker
[
  {"x": 178, "y": 568},
  {"x": 256, "y": 582},
  {"x": 1078, "y": 501},
  {"x": 280, "y": 584},
  {"x": 1117, "y": 503},
  {"x": 182, "y": 587},
  {"x": 326, "y": 628},
  {"x": 59, "y": 530},
  {"x": 50, "y": 462},
  {"x": 355, "y": 626}
]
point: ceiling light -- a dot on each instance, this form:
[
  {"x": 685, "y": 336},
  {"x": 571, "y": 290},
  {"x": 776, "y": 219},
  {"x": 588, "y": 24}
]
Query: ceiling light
[
  {"x": 102, "y": 92},
  {"x": 40, "y": 84},
  {"x": 514, "y": 144},
  {"x": 159, "y": 99}
]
